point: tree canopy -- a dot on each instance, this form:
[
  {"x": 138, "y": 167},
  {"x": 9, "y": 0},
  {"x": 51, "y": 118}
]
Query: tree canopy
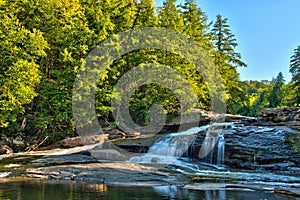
[{"x": 43, "y": 43}]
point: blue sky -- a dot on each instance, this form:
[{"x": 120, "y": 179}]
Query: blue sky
[{"x": 267, "y": 32}]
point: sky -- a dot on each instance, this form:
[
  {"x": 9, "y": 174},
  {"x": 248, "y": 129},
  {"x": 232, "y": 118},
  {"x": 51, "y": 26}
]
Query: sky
[{"x": 267, "y": 32}]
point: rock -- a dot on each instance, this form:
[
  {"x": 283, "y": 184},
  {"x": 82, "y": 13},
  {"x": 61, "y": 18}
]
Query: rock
[
  {"x": 72, "y": 142},
  {"x": 107, "y": 154},
  {"x": 256, "y": 148},
  {"x": 64, "y": 159},
  {"x": 108, "y": 151},
  {"x": 133, "y": 134},
  {"x": 281, "y": 117},
  {"x": 117, "y": 173},
  {"x": 84, "y": 140},
  {"x": 277, "y": 166},
  {"x": 288, "y": 191},
  {"x": 116, "y": 134},
  {"x": 4, "y": 149}
]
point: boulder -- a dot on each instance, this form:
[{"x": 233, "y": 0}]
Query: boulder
[
  {"x": 255, "y": 147},
  {"x": 72, "y": 142},
  {"x": 86, "y": 140},
  {"x": 116, "y": 134},
  {"x": 4, "y": 149},
  {"x": 289, "y": 116}
]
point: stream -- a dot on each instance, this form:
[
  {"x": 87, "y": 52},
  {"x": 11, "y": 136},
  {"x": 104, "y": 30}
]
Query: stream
[
  {"x": 54, "y": 190},
  {"x": 200, "y": 163}
]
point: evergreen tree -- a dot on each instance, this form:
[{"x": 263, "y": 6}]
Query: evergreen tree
[
  {"x": 295, "y": 70},
  {"x": 145, "y": 16},
  {"x": 276, "y": 95},
  {"x": 195, "y": 24},
  {"x": 227, "y": 59},
  {"x": 225, "y": 42},
  {"x": 169, "y": 16}
]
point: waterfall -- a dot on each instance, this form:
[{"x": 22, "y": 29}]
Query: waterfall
[
  {"x": 170, "y": 147},
  {"x": 221, "y": 150},
  {"x": 213, "y": 147}
]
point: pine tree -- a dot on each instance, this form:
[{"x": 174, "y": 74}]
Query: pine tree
[
  {"x": 145, "y": 16},
  {"x": 227, "y": 60},
  {"x": 195, "y": 23},
  {"x": 169, "y": 16},
  {"x": 295, "y": 70},
  {"x": 225, "y": 42},
  {"x": 276, "y": 95}
]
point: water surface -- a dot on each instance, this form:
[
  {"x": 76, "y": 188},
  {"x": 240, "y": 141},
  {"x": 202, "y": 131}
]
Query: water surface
[{"x": 55, "y": 190}]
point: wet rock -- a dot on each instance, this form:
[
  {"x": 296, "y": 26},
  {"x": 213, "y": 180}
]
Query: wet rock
[
  {"x": 255, "y": 147},
  {"x": 277, "y": 166}
]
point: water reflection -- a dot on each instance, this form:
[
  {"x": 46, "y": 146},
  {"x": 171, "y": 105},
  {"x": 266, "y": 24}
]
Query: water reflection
[
  {"x": 53, "y": 190},
  {"x": 101, "y": 188}
]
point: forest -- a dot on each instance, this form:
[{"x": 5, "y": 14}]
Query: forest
[{"x": 43, "y": 43}]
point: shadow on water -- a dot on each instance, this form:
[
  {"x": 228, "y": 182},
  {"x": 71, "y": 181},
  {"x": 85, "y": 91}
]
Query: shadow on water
[{"x": 67, "y": 190}]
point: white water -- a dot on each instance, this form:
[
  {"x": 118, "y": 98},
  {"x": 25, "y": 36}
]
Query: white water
[
  {"x": 172, "y": 146},
  {"x": 214, "y": 138},
  {"x": 4, "y": 174},
  {"x": 169, "y": 148},
  {"x": 221, "y": 150}
]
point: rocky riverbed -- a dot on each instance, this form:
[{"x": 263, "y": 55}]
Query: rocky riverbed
[{"x": 255, "y": 158}]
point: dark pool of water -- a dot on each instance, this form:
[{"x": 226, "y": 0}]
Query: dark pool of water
[{"x": 53, "y": 190}]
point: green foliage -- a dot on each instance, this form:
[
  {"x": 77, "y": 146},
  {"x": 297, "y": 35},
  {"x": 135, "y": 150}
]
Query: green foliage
[
  {"x": 227, "y": 59},
  {"x": 276, "y": 95},
  {"x": 44, "y": 42},
  {"x": 20, "y": 50},
  {"x": 295, "y": 70}
]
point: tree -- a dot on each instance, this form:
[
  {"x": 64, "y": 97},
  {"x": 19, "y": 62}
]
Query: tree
[
  {"x": 20, "y": 51},
  {"x": 227, "y": 60},
  {"x": 295, "y": 70},
  {"x": 276, "y": 95},
  {"x": 146, "y": 16},
  {"x": 195, "y": 24},
  {"x": 169, "y": 16}
]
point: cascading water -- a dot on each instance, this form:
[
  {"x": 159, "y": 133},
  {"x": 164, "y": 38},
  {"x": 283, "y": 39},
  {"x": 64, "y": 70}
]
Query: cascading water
[
  {"x": 213, "y": 147},
  {"x": 221, "y": 150},
  {"x": 169, "y": 148},
  {"x": 172, "y": 146}
]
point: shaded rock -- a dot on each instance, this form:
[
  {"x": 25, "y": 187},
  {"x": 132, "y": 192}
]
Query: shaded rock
[
  {"x": 64, "y": 159},
  {"x": 4, "y": 149},
  {"x": 288, "y": 191}
]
